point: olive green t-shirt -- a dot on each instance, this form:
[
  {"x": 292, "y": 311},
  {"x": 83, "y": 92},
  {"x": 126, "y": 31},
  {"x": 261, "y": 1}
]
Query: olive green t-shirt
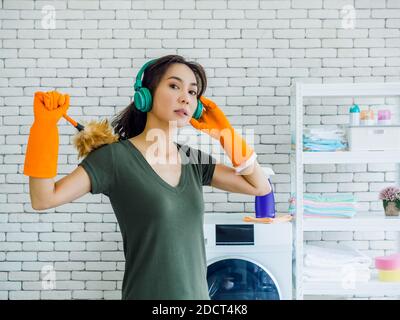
[{"x": 161, "y": 225}]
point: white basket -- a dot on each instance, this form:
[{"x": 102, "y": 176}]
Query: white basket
[{"x": 373, "y": 138}]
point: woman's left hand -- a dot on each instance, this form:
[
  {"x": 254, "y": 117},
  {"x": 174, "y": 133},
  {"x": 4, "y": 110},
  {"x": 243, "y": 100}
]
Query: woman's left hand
[{"x": 212, "y": 120}]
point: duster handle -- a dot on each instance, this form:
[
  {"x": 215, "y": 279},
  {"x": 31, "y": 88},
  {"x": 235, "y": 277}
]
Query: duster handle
[{"x": 77, "y": 125}]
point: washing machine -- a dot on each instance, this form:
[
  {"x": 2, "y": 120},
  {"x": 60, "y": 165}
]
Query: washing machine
[{"x": 247, "y": 261}]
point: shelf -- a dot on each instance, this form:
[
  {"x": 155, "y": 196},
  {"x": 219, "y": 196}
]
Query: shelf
[
  {"x": 351, "y": 157},
  {"x": 374, "y": 288},
  {"x": 362, "y": 221},
  {"x": 349, "y": 89}
]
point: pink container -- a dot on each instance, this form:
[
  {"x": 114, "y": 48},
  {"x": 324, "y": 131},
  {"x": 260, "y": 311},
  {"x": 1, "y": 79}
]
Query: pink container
[
  {"x": 384, "y": 115},
  {"x": 388, "y": 262}
]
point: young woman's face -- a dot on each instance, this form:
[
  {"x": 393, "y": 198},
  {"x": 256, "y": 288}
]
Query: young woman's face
[{"x": 176, "y": 90}]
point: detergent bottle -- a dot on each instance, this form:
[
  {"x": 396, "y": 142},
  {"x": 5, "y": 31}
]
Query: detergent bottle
[
  {"x": 354, "y": 115},
  {"x": 265, "y": 205}
]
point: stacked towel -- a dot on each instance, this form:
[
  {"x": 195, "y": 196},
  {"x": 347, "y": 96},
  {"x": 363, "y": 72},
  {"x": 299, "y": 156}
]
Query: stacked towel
[
  {"x": 333, "y": 255},
  {"x": 326, "y": 138},
  {"x": 316, "y": 206},
  {"x": 335, "y": 263},
  {"x": 358, "y": 273}
]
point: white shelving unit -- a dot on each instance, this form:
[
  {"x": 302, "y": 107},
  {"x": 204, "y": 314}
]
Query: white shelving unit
[{"x": 362, "y": 221}]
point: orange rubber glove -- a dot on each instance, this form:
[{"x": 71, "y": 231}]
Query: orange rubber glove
[
  {"x": 214, "y": 122},
  {"x": 42, "y": 150}
]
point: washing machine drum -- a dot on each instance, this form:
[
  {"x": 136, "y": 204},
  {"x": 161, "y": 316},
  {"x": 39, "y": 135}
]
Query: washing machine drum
[{"x": 240, "y": 279}]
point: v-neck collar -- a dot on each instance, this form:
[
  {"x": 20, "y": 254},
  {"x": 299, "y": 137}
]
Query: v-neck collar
[{"x": 182, "y": 179}]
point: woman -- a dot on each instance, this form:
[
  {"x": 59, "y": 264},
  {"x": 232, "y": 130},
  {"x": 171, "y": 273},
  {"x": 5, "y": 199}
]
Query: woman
[{"x": 155, "y": 188}]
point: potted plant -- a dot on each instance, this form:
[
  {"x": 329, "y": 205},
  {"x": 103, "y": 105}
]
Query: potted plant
[{"x": 390, "y": 197}]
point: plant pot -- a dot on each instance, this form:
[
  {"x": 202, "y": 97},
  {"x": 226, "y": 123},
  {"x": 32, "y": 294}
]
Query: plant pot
[{"x": 392, "y": 208}]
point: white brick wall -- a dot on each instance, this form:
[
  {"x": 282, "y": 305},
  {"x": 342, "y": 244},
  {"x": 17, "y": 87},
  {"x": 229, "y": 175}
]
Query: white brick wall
[{"x": 252, "y": 51}]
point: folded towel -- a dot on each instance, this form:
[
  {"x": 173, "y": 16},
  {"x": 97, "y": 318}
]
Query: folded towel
[
  {"x": 333, "y": 255},
  {"x": 335, "y": 263},
  {"x": 344, "y": 197},
  {"x": 284, "y": 218},
  {"x": 340, "y": 206},
  {"x": 323, "y": 145},
  {"x": 345, "y": 268},
  {"x": 326, "y": 138},
  {"x": 346, "y": 278},
  {"x": 324, "y": 215},
  {"x": 346, "y": 273}
]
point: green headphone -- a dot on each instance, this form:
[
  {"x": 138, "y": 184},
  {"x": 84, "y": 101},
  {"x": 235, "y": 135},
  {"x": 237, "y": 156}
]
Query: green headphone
[{"x": 143, "y": 98}]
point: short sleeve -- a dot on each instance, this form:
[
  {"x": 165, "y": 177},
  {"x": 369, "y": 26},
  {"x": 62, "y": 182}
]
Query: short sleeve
[
  {"x": 207, "y": 165},
  {"x": 99, "y": 165}
]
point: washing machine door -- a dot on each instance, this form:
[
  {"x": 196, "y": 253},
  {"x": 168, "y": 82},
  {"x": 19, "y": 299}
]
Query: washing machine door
[{"x": 240, "y": 279}]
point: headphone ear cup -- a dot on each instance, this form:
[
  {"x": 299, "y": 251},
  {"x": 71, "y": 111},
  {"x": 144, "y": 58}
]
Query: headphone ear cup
[
  {"x": 199, "y": 110},
  {"x": 143, "y": 99}
]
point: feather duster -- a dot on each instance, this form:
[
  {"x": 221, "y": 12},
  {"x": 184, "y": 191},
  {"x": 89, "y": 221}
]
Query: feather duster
[{"x": 92, "y": 135}]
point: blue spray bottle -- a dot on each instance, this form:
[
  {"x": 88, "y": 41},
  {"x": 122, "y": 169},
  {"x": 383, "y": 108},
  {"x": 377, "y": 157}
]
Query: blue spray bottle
[{"x": 265, "y": 205}]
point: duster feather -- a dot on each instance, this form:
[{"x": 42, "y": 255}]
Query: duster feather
[{"x": 94, "y": 135}]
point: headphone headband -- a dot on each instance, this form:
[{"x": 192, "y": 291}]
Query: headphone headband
[{"x": 138, "y": 81}]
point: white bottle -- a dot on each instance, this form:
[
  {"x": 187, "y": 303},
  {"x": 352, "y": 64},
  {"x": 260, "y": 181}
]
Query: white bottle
[{"x": 354, "y": 115}]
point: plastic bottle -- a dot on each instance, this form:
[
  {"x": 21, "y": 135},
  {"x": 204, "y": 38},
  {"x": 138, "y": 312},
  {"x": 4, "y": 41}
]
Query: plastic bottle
[
  {"x": 367, "y": 117},
  {"x": 265, "y": 205},
  {"x": 354, "y": 115},
  {"x": 384, "y": 117}
]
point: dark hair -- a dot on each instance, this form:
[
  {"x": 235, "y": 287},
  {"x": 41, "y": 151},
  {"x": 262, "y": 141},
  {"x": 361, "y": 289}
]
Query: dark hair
[{"x": 130, "y": 122}]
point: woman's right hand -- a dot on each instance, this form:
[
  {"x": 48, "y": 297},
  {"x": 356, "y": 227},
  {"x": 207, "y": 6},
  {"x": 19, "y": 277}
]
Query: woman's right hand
[
  {"x": 42, "y": 149},
  {"x": 49, "y": 107}
]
